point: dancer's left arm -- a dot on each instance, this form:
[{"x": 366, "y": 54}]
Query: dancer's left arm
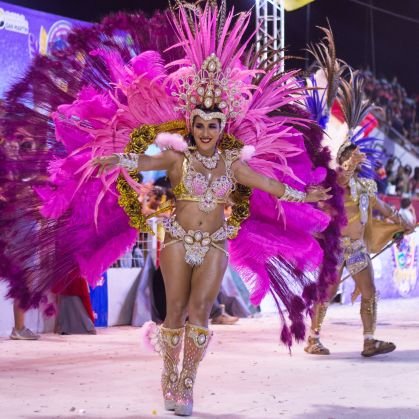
[
  {"x": 388, "y": 212},
  {"x": 248, "y": 177}
]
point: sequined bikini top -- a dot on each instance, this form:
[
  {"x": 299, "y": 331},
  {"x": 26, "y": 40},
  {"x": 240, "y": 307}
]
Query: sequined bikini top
[{"x": 195, "y": 187}]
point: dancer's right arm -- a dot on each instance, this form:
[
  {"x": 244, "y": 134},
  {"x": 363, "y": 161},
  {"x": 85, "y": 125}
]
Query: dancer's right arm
[{"x": 140, "y": 162}]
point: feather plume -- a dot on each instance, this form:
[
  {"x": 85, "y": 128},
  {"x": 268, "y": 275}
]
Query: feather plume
[
  {"x": 324, "y": 53},
  {"x": 166, "y": 140},
  {"x": 355, "y": 105}
]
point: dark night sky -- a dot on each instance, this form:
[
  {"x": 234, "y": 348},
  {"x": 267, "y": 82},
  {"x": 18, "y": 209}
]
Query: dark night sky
[{"x": 396, "y": 40}]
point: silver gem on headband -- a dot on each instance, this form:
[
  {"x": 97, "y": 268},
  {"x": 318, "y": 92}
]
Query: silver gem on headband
[
  {"x": 342, "y": 148},
  {"x": 207, "y": 116},
  {"x": 347, "y": 143}
]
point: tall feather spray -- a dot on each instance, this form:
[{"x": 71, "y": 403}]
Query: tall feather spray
[
  {"x": 356, "y": 107},
  {"x": 319, "y": 101}
]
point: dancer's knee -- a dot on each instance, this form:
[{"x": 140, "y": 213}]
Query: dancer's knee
[
  {"x": 199, "y": 311},
  {"x": 176, "y": 314}
]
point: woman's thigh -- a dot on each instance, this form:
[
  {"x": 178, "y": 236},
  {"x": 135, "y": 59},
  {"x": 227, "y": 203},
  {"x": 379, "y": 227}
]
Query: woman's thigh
[
  {"x": 176, "y": 276},
  {"x": 206, "y": 282},
  {"x": 364, "y": 280}
]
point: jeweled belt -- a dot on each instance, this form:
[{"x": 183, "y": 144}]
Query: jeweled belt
[{"x": 196, "y": 242}]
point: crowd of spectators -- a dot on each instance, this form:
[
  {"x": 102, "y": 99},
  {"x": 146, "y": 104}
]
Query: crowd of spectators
[
  {"x": 400, "y": 110},
  {"x": 397, "y": 179}
]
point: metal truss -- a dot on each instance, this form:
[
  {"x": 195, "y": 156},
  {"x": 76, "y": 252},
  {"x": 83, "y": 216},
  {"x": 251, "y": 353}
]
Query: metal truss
[{"x": 270, "y": 28}]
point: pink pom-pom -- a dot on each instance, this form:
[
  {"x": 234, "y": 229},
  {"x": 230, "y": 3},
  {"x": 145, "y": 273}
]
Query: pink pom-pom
[
  {"x": 149, "y": 336},
  {"x": 247, "y": 152},
  {"x": 168, "y": 141}
]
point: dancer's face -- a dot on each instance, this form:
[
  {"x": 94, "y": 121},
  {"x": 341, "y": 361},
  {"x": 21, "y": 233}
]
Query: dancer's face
[
  {"x": 206, "y": 134},
  {"x": 353, "y": 158}
]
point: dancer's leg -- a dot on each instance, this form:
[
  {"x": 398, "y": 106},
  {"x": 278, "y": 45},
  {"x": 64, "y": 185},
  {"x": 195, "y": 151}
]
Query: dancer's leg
[
  {"x": 206, "y": 282},
  {"x": 365, "y": 283},
  {"x": 177, "y": 278},
  {"x": 314, "y": 345},
  {"x": 205, "y": 286}
]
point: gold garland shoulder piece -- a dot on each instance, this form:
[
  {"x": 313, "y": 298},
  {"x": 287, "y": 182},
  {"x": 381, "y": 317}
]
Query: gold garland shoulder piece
[
  {"x": 241, "y": 196},
  {"x": 140, "y": 139}
]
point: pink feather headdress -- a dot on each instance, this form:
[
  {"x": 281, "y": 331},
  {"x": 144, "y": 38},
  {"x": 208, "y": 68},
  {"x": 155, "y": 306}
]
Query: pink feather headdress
[{"x": 211, "y": 75}]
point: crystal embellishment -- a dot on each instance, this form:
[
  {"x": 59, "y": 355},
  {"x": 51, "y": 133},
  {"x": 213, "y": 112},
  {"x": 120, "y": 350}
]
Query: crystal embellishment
[
  {"x": 209, "y": 86},
  {"x": 175, "y": 340},
  {"x": 197, "y": 243},
  {"x": 188, "y": 382},
  {"x": 208, "y": 162},
  {"x": 201, "y": 339}
]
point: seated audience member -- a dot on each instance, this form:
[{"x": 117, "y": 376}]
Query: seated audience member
[{"x": 407, "y": 211}]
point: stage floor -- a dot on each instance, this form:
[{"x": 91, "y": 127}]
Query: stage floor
[{"x": 245, "y": 374}]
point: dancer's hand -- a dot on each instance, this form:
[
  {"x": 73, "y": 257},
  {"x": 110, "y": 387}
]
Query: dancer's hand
[
  {"x": 105, "y": 163},
  {"x": 317, "y": 193},
  {"x": 356, "y": 159},
  {"x": 407, "y": 226}
]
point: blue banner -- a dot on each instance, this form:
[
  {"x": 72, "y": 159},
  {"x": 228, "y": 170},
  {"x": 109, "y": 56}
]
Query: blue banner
[{"x": 24, "y": 33}]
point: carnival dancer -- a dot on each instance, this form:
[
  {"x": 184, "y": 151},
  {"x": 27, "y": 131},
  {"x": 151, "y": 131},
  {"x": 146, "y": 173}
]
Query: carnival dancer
[
  {"x": 362, "y": 234},
  {"x": 194, "y": 260},
  {"x": 215, "y": 116}
]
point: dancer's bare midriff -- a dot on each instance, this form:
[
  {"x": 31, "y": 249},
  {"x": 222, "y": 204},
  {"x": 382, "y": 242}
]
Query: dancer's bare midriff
[{"x": 354, "y": 229}]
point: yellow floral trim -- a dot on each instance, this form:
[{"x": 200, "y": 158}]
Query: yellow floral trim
[
  {"x": 229, "y": 142},
  {"x": 141, "y": 139},
  {"x": 240, "y": 209}
]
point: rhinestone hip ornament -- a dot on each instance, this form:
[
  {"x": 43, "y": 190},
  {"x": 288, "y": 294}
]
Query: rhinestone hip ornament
[{"x": 197, "y": 245}]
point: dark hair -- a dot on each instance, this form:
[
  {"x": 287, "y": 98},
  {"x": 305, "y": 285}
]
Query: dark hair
[
  {"x": 157, "y": 191},
  {"x": 170, "y": 195},
  {"x": 346, "y": 154},
  {"x": 163, "y": 182},
  {"x": 408, "y": 169},
  {"x": 391, "y": 160},
  {"x": 405, "y": 203}
]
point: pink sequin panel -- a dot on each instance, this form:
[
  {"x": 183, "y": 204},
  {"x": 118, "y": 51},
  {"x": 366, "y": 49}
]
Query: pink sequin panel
[{"x": 198, "y": 185}]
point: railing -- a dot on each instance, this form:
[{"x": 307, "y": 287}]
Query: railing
[{"x": 134, "y": 257}]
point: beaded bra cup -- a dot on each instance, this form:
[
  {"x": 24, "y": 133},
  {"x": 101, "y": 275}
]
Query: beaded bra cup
[{"x": 195, "y": 187}]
